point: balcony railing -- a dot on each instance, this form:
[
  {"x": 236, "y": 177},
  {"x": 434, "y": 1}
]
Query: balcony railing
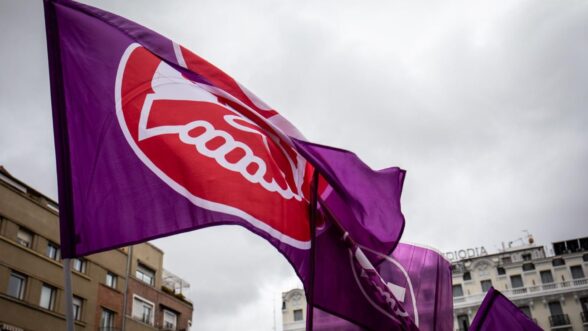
[
  {"x": 559, "y": 320},
  {"x": 524, "y": 292}
]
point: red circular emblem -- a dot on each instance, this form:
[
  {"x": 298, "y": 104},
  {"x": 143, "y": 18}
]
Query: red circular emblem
[{"x": 196, "y": 141}]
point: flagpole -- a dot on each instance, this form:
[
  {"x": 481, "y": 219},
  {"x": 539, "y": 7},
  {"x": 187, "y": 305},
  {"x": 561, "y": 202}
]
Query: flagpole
[
  {"x": 62, "y": 155},
  {"x": 126, "y": 293},
  {"x": 313, "y": 214},
  {"x": 69, "y": 318}
]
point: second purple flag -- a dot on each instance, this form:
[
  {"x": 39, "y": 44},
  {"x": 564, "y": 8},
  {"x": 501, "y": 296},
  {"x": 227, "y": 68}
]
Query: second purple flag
[{"x": 421, "y": 279}]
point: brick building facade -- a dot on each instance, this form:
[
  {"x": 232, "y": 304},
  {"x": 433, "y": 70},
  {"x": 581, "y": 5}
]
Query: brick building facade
[{"x": 32, "y": 295}]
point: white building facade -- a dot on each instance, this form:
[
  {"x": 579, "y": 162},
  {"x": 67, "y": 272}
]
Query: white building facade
[
  {"x": 552, "y": 289},
  {"x": 294, "y": 310}
]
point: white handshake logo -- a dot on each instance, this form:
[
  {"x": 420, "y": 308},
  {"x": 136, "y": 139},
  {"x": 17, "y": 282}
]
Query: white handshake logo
[{"x": 169, "y": 84}]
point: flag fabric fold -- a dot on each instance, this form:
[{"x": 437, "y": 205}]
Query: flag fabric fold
[
  {"x": 152, "y": 140},
  {"x": 499, "y": 313},
  {"x": 364, "y": 202}
]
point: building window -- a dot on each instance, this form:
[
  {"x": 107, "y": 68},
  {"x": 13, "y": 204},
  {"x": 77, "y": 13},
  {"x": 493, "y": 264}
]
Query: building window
[
  {"x": 528, "y": 266},
  {"x": 557, "y": 318},
  {"x": 145, "y": 274},
  {"x": 516, "y": 281},
  {"x": 110, "y": 280},
  {"x": 143, "y": 310},
  {"x": 560, "y": 248},
  {"x": 467, "y": 276},
  {"x": 52, "y": 251},
  {"x": 555, "y": 308},
  {"x": 79, "y": 265},
  {"x": 526, "y": 257},
  {"x": 170, "y": 320},
  {"x": 558, "y": 262},
  {"x": 24, "y": 237},
  {"x": 47, "y": 300},
  {"x": 526, "y": 310},
  {"x": 106, "y": 319},
  {"x": 500, "y": 271},
  {"x": 463, "y": 322},
  {"x": 577, "y": 272},
  {"x": 546, "y": 277},
  {"x": 298, "y": 314},
  {"x": 486, "y": 285},
  {"x": 506, "y": 260},
  {"x": 457, "y": 291},
  {"x": 77, "y": 308},
  {"x": 585, "y": 257},
  {"x": 16, "y": 285},
  {"x": 584, "y": 244}
]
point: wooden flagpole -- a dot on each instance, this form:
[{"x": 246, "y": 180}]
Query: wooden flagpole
[{"x": 313, "y": 214}]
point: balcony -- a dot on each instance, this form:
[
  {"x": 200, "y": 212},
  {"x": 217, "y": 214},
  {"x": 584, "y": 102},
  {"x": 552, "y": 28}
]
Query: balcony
[
  {"x": 525, "y": 292},
  {"x": 561, "y": 320},
  {"x": 584, "y": 319},
  {"x": 519, "y": 290}
]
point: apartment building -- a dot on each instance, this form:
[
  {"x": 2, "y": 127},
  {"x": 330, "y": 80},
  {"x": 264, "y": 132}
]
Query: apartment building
[
  {"x": 550, "y": 287},
  {"x": 124, "y": 288}
]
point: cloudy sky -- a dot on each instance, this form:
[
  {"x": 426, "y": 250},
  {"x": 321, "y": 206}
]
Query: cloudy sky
[{"x": 484, "y": 103}]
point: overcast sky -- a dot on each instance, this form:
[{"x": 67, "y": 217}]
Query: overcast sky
[{"x": 484, "y": 103}]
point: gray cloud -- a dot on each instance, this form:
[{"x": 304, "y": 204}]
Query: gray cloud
[{"x": 484, "y": 104}]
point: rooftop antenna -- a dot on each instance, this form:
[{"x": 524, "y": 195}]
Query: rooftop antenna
[{"x": 274, "y": 306}]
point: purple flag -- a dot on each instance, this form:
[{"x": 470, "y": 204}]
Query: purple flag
[
  {"x": 420, "y": 278},
  {"x": 364, "y": 202},
  {"x": 152, "y": 140},
  {"x": 498, "y": 313},
  {"x": 367, "y": 300}
]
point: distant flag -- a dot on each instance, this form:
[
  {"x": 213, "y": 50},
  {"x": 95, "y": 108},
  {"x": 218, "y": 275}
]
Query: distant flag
[
  {"x": 152, "y": 140},
  {"x": 499, "y": 313},
  {"x": 348, "y": 285},
  {"x": 420, "y": 278}
]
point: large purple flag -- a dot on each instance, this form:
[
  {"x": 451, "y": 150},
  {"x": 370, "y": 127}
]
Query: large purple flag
[
  {"x": 498, "y": 313},
  {"x": 152, "y": 140},
  {"x": 421, "y": 279}
]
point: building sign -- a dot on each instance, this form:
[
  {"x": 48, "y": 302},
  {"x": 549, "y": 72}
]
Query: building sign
[{"x": 465, "y": 253}]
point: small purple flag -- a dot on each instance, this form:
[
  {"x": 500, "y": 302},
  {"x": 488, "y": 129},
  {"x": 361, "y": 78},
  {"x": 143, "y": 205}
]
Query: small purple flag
[
  {"x": 152, "y": 140},
  {"x": 499, "y": 313}
]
